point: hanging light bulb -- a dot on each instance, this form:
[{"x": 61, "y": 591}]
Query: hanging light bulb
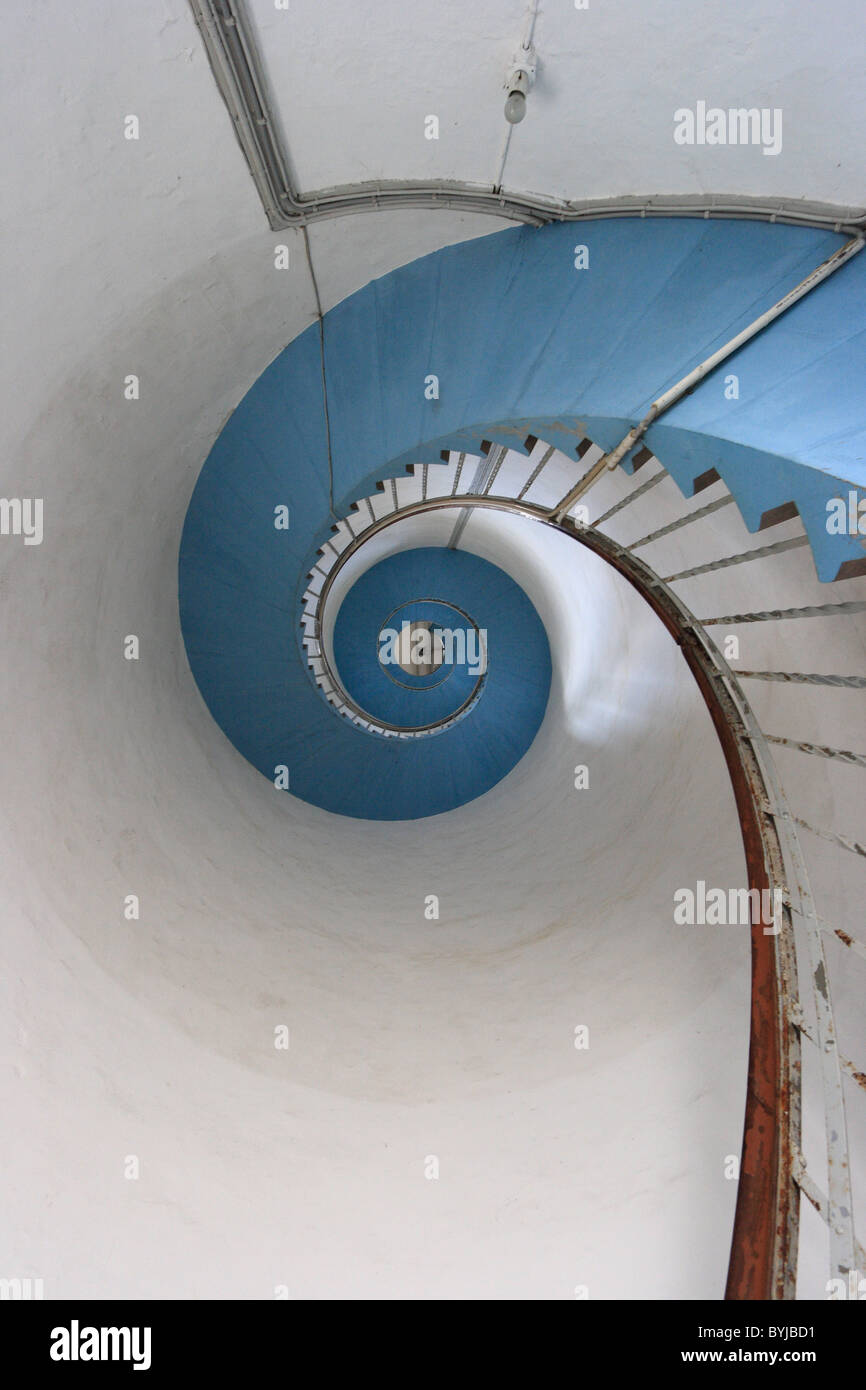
[
  {"x": 515, "y": 106},
  {"x": 518, "y": 82}
]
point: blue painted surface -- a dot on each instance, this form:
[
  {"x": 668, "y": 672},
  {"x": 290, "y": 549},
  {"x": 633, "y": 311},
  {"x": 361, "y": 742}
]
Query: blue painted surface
[
  {"x": 516, "y": 685},
  {"x": 522, "y": 343}
]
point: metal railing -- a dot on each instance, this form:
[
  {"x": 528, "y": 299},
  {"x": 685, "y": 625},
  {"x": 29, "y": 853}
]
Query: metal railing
[{"x": 791, "y": 996}]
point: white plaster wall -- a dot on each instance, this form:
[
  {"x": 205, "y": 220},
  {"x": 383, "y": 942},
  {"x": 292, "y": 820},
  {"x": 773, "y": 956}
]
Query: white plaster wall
[{"x": 409, "y": 1038}]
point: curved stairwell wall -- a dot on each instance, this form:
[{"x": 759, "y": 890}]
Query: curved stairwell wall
[
  {"x": 154, "y": 1036},
  {"x": 409, "y": 1038}
]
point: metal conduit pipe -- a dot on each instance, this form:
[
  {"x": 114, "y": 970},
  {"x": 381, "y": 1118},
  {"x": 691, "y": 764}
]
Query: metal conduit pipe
[{"x": 231, "y": 48}]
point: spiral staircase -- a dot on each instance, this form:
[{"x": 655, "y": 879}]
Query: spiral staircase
[
  {"x": 533, "y": 468},
  {"x": 379, "y": 977}
]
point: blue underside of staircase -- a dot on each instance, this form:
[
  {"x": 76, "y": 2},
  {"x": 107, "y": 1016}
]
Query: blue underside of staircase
[
  {"x": 521, "y": 342},
  {"x": 433, "y": 583}
]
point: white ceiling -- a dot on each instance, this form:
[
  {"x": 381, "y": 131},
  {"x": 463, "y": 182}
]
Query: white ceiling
[{"x": 353, "y": 85}]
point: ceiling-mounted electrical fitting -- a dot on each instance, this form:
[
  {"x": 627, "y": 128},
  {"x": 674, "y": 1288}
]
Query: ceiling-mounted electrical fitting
[{"x": 521, "y": 76}]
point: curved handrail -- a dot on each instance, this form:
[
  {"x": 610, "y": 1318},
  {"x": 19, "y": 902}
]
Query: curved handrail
[{"x": 764, "y": 1243}]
